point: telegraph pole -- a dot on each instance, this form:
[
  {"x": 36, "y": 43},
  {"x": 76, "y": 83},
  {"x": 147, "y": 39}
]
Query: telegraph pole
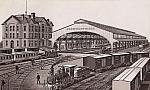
[{"x": 26, "y": 8}]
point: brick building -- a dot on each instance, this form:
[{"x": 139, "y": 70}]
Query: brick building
[{"x": 21, "y": 31}]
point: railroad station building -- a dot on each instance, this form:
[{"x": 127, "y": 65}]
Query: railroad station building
[
  {"x": 87, "y": 34},
  {"x": 21, "y": 31}
]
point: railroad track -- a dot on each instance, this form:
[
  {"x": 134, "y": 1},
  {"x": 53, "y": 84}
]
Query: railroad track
[
  {"x": 99, "y": 82},
  {"x": 17, "y": 82},
  {"x": 14, "y": 81}
]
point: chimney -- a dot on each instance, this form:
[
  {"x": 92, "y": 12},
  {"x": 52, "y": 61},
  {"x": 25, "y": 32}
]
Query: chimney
[
  {"x": 29, "y": 16},
  {"x": 47, "y": 20},
  {"x": 33, "y": 15},
  {"x": 22, "y": 16}
]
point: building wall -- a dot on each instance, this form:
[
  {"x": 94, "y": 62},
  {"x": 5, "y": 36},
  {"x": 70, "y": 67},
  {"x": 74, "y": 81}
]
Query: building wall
[{"x": 26, "y": 34}]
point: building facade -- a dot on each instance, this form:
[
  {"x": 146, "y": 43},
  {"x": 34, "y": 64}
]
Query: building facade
[
  {"x": 87, "y": 34},
  {"x": 21, "y": 31}
]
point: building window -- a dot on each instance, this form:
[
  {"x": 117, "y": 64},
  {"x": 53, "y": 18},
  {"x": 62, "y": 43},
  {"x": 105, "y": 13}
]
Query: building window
[
  {"x": 43, "y": 28},
  {"x": 24, "y": 28},
  {"x": 29, "y": 28},
  {"x": 17, "y": 43},
  {"x": 29, "y": 43},
  {"x": 25, "y": 43},
  {"x": 6, "y": 28},
  {"x": 13, "y": 35},
  {"x": 10, "y": 28},
  {"x": 32, "y": 35},
  {"x": 6, "y": 35},
  {"x": 13, "y": 28},
  {"x": 24, "y": 35},
  {"x": 42, "y": 35},
  {"x": 10, "y": 35},
  {"x": 6, "y": 43},
  {"x": 32, "y": 28},
  {"x": 17, "y": 35},
  {"x": 17, "y": 28},
  {"x": 50, "y": 36},
  {"x": 35, "y": 43},
  {"x": 39, "y": 35}
]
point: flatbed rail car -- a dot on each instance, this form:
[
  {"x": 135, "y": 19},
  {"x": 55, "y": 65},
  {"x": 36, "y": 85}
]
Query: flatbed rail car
[
  {"x": 144, "y": 65},
  {"x": 127, "y": 80}
]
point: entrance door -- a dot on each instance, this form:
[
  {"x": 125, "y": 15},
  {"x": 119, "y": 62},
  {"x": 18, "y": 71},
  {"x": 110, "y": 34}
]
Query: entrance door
[{"x": 12, "y": 44}]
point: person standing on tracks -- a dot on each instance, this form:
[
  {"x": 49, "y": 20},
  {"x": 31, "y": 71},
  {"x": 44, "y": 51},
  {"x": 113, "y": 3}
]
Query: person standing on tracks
[
  {"x": 17, "y": 69},
  {"x": 38, "y": 78},
  {"x": 2, "y": 84}
]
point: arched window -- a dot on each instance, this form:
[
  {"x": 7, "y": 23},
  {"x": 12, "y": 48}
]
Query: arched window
[
  {"x": 6, "y": 43},
  {"x": 17, "y": 43},
  {"x": 25, "y": 43}
]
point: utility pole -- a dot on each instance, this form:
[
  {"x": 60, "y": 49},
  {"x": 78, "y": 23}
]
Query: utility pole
[{"x": 26, "y": 8}]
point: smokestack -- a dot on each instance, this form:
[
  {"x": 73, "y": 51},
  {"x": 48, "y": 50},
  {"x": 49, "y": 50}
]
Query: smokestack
[
  {"x": 48, "y": 20},
  {"x": 23, "y": 16},
  {"x": 33, "y": 15}
]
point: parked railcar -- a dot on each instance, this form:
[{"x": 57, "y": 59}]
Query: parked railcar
[
  {"x": 97, "y": 61},
  {"x": 6, "y": 50},
  {"x": 143, "y": 64},
  {"x": 21, "y": 56},
  {"x": 127, "y": 80},
  {"x": 120, "y": 58},
  {"x": 17, "y": 57},
  {"x": 5, "y": 58},
  {"x": 137, "y": 55},
  {"x": 80, "y": 72}
]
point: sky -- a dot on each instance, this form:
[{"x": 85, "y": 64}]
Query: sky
[{"x": 132, "y": 15}]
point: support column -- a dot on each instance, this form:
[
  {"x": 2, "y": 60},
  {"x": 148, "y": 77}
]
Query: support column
[
  {"x": 72, "y": 42},
  {"x": 59, "y": 40}
]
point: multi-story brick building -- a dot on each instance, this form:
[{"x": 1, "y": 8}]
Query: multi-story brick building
[{"x": 21, "y": 31}]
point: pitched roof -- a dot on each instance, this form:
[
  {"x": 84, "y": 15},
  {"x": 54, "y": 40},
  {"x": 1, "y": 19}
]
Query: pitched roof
[
  {"x": 107, "y": 28},
  {"x": 27, "y": 18},
  {"x": 12, "y": 16}
]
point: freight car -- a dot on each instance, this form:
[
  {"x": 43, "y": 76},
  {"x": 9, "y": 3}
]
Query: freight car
[
  {"x": 127, "y": 80},
  {"x": 144, "y": 65},
  {"x": 132, "y": 78},
  {"x": 114, "y": 60}
]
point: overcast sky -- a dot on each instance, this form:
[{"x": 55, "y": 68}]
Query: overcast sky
[{"x": 133, "y": 15}]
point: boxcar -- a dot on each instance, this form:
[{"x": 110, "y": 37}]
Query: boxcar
[
  {"x": 127, "y": 80},
  {"x": 137, "y": 55},
  {"x": 143, "y": 64},
  {"x": 120, "y": 58},
  {"x": 97, "y": 61}
]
